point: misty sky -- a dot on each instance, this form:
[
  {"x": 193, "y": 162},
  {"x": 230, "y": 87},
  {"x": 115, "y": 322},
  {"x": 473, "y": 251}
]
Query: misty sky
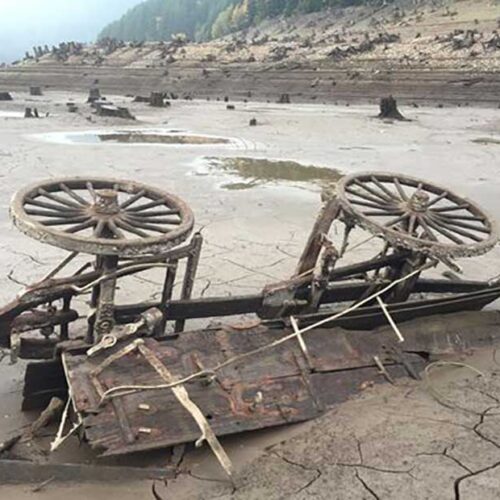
[{"x": 24, "y": 23}]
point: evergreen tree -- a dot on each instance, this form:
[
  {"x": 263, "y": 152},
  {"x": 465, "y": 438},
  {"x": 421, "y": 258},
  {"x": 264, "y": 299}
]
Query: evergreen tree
[{"x": 205, "y": 19}]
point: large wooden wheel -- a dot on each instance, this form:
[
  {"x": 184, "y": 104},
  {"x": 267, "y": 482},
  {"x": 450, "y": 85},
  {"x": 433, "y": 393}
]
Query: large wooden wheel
[
  {"x": 102, "y": 216},
  {"x": 411, "y": 213}
]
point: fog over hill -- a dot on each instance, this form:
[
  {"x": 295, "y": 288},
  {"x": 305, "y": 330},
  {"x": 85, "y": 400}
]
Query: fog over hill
[
  {"x": 206, "y": 19},
  {"x": 25, "y": 23}
]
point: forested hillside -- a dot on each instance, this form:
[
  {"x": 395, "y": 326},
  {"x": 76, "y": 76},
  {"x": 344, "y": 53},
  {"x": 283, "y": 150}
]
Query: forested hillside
[{"x": 207, "y": 19}]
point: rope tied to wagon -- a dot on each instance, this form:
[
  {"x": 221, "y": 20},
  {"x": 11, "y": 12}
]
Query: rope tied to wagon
[{"x": 211, "y": 373}]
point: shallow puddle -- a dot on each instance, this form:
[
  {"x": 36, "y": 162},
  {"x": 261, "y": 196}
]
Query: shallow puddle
[
  {"x": 137, "y": 137},
  {"x": 158, "y": 138},
  {"x": 257, "y": 171},
  {"x": 486, "y": 141}
]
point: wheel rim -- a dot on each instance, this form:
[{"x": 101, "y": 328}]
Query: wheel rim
[
  {"x": 414, "y": 214},
  {"x": 102, "y": 216}
]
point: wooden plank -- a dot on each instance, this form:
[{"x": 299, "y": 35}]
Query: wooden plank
[
  {"x": 273, "y": 393},
  {"x": 24, "y": 472}
]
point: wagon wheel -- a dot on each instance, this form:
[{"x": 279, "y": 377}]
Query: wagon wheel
[
  {"x": 102, "y": 216},
  {"x": 416, "y": 215}
]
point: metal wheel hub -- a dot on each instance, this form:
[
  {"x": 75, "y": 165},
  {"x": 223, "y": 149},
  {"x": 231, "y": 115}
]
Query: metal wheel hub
[
  {"x": 107, "y": 202},
  {"x": 418, "y": 201}
]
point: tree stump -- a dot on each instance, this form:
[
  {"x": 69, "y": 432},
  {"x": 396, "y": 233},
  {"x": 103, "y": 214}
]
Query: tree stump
[
  {"x": 157, "y": 99},
  {"x": 35, "y": 91},
  {"x": 31, "y": 113},
  {"x": 253, "y": 122},
  {"x": 94, "y": 95},
  {"x": 71, "y": 107},
  {"x": 284, "y": 99},
  {"x": 140, "y": 98},
  {"x": 389, "y": 109}
]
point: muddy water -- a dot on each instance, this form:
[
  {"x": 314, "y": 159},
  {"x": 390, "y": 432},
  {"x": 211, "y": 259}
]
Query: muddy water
[
  {"x": 147, "y": 137},
  {"x": 485, "y": 141},
  {"x": 258, "y": 171},
  {"x": 152, "y": 138}
]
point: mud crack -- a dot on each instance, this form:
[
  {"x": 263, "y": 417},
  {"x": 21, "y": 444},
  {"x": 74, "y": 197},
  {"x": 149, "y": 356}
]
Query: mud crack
[
  {"x": 461, "y": 479},
  {"x": 365, "y": 485},
  {"x": 476, "y": 430},
  {"x": 318, "y": 473}
]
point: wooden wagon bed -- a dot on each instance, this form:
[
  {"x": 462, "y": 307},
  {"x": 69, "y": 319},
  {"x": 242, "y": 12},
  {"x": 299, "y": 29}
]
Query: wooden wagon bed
[{"x": 274, "y": 387}]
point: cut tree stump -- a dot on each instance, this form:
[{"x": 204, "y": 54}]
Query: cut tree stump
[
  {"x": 157, "y": 99},
  {"x": 36, "y": 91},
  {"x": 389, "y": 109},
  {"x": 94, "y": 95},
  {"x": 284, "y": 99}
]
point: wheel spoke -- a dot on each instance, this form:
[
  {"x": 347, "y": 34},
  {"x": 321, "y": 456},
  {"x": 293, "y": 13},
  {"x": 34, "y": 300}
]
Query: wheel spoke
[
  {"x": 147, "y": 227},
  {"x": 131, "y": 229},
  {"x": 383, "y": 197},
  {"x": 396, "y": 221},
  {"x": 58, "y": 199},
  {"x": 400, "y": 189},
  {"x": 101, "y": 225},
  {"x": 426, "y": 228},
  {"x": 437, "y": 199},
  {"x": 464, "y": 225},
  {"x": 445, "y": 232},
  {"x": 133, "y": 199},
  {"x": 114, "y": 229},
  {"x": 50, "y": 206},
  {"x": 73, "y": 195},
  {"x": 383, "y": 188},
  {"x": 412, "y": 224},
  {"x": 368, "y": 197},
  {"x": 46, "y": 213},
  {"x": 369, "y": 205},
  {"x": 65, "y": 222},
  {"x": 456, "y": 230},
  {"x": 155, "y": 213},
  {"x": 81, "y": 227},
  {"x": 151, "y": 204},
  {"x": 91, "y": 190},
  {"x": 153, "y": 220},
  {"x": 463, "y": 206},
  {"x": 473, "y": 218}
]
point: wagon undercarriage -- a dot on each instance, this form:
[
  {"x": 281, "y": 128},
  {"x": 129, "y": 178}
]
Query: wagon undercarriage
[{"x": 137, "y": 380}]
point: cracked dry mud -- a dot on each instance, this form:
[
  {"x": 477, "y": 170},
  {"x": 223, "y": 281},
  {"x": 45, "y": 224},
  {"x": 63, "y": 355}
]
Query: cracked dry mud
[{"x": 391, "y": 443}]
